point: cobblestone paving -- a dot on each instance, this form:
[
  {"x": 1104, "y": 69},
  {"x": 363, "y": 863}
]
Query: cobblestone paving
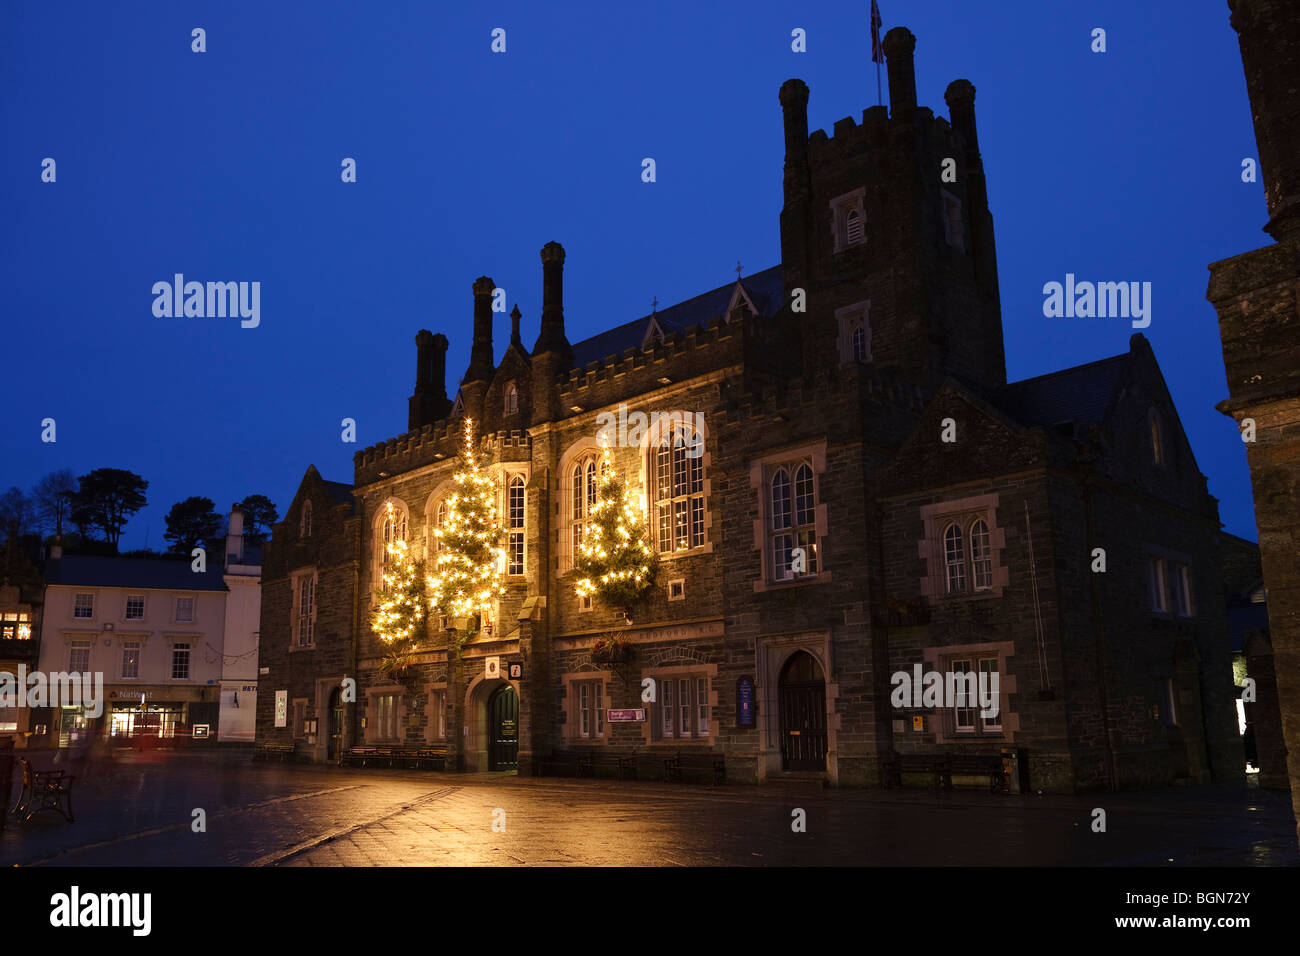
[{"x": 285, "y": 815}]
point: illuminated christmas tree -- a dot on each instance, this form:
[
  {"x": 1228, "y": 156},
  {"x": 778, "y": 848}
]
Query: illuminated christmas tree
[
  {"x": 616, "y": 562},
  {"x": 468, "y": 573},
  {"x": 400, "y": 617}
]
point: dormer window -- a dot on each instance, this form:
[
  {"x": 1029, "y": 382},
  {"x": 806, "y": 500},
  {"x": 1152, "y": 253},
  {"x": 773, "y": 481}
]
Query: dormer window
[
  {"x": 304, "y": 521},
  {"x": 854, "y": 332},
  {"x": 953, "y": 233},
  {"x": 849, "y": 219},
  {"x": 512, "y": 399}
]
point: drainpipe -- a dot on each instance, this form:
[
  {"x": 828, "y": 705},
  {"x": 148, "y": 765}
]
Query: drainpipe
[{"x": 1098, "y": 636}]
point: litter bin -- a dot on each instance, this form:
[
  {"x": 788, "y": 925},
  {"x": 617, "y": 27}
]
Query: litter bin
[{"x": 1015, "y": 769}]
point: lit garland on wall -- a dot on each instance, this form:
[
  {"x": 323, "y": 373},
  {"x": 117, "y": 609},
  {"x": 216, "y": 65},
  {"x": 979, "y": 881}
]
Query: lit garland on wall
[
  {"x": 468, "y": 575},
  {"x": 400, "y": 617},
  {"x": 616, "y": 561}
]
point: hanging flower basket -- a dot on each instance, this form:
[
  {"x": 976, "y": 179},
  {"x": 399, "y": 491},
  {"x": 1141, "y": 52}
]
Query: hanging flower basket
[{"x": 611, "y": 650}]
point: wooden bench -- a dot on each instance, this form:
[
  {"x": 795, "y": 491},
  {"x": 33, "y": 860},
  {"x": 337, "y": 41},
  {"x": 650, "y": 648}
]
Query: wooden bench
[
  {"x": 935, "y": 764},
  {"x": 44, "y": 790},
  {"x": 368, "y": 755},
  {"x": 268, "y": 750},
  {"x": 567, "y": 763},
  {"x": 427, "y": 758},
  {"x": 977, "y": 765},
  {"x": 698, "y": 763}
]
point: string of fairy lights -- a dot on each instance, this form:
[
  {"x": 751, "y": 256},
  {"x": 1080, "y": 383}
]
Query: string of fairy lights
[
  {"x": 615, "y": 558},
  {"x": 615, "y": 561}
]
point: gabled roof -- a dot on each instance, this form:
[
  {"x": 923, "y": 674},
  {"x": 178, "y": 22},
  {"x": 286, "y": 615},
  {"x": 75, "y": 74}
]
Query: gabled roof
[
  {"x": 144, "y": 573},
  {"x": 1082, "y": 394},
  {"x": 766, "y": 290}
]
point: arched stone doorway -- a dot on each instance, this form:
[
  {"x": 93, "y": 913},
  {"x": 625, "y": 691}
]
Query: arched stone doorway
[
  {"x": 801, "y": 701},
  {"x": 492, "y": 719}
]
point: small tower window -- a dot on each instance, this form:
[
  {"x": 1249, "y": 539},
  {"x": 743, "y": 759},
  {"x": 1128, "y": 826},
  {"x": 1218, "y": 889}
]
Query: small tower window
[
  {"x": 848, "y": 219},
  {"x": 1157, "y": 440},
  {"x": 853, "y": 227},
  {"x": 952, "y": 226},
  {"x": 854, "y": 333},
  {"x": 304, "y": 523},
  {"x": 512, "y": 399}
]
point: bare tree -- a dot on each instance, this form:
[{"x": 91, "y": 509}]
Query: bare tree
[{"x": 52, "y": 499}]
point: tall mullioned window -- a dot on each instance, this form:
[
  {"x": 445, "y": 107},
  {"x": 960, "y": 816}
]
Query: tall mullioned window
[
  {"x": 793, "y": 502},
  {"x": 584, "y": 480},
  {"x": 679, "y": 490},
  {"x": 515, "y": 525}
]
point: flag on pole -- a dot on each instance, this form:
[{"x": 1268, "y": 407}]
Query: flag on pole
[{"x": 877, "y": 52}]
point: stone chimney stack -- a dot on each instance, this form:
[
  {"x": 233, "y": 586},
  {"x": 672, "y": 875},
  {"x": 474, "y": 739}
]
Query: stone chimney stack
[
  {"x": 429, "y": 402},
  {"x": 551, "y": 338},
  {"x": 481, "y": 366},
  {"x": 899, "y": 46},
  {"x": 1268, "y": 32},
  {"x": 234, "y": 536}
]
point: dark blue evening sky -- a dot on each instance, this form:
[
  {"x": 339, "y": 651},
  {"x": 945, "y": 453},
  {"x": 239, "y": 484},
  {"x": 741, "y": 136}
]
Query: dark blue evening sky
[{"x": 225, "y": 166}]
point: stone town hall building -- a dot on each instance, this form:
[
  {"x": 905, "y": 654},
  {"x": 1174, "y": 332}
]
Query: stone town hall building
[{"x": 821, "y": 429}]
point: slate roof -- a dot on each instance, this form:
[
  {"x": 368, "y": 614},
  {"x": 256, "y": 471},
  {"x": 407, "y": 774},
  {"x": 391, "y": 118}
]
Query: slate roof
[
  {"x": 1081, "y": 394},
  {"x": 144, "y": 573},
  {"x": 340, "y": 492},
  {"x": 765, "y": 289}
]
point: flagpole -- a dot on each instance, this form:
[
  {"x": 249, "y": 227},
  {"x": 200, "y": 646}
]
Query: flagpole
[{"x": 878, "y": 100}]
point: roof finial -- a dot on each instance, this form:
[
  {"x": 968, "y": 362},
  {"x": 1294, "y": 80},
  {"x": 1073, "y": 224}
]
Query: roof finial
[
  {"x": 737, "y": 270},
  {"x": 654, "y": 305}
]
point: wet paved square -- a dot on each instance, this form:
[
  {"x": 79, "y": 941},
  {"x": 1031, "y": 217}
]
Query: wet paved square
[{"x": 289, "y": 815}]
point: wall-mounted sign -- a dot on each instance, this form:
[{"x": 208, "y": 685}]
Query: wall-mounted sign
[
  {"x": 200, "y": 730},
  {"x": 515, "y": 670},
  {"x": 282, "y": 708},
  {"x": 745, "y": 702},
  {"x": 492, "y": 667},
  {"x": 918, "y": 722},
  {"x": 629, "y": 714}
]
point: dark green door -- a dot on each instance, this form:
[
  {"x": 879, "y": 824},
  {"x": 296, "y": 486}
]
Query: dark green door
[
  {"x": 336, "y": 723},
  {"x": 503, "y": 729}
]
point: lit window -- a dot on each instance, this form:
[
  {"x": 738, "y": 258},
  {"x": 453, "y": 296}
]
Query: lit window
[
  {"x": 1157, "y": 440},
  {"x": 135, "y": 607},
  {"x": 512, "y": 399},
  {"x": 515, "y": 526},
  {"x": 679, "y": 490},
  {"x": 391, "y": 529},
  {"x": 584, "y": 482},
  {"x": 130, "y": 659}
]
